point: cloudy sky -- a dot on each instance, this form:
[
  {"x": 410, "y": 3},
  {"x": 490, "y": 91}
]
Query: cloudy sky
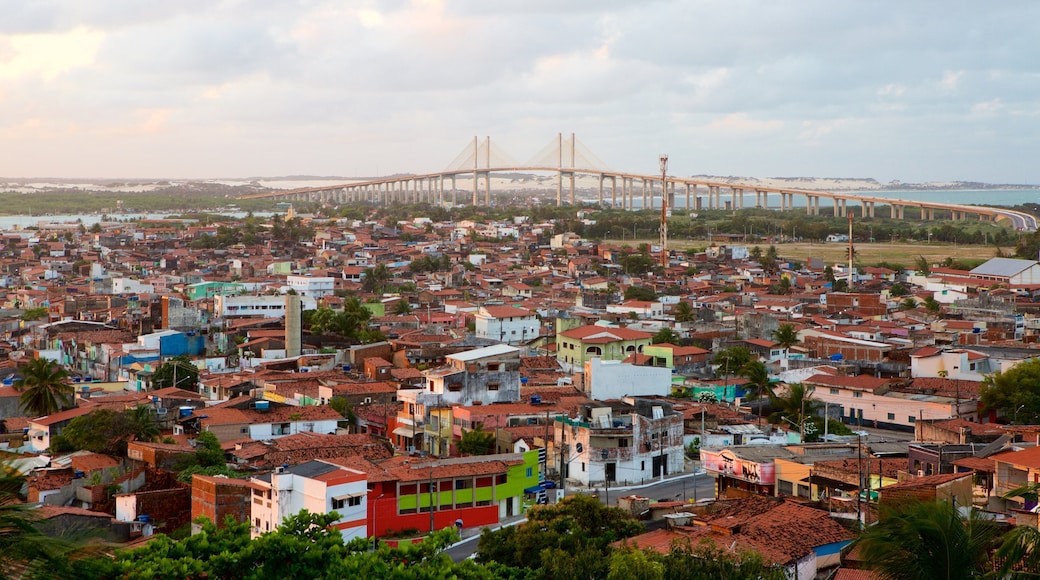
[{"x": 911, "y": 91}]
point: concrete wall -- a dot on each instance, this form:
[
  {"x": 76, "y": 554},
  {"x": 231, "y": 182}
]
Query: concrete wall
[{"x": 613, "y": 380}]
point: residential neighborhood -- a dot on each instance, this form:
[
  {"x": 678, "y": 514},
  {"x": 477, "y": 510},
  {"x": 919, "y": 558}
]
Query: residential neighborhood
[{"x": 416, "y": 375}]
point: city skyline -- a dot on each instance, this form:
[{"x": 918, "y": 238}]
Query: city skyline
[{"x": 203, "y": 90}]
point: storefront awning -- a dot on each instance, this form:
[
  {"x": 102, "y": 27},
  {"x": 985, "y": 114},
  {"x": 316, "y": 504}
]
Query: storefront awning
[{"x": 407, "y": 432}]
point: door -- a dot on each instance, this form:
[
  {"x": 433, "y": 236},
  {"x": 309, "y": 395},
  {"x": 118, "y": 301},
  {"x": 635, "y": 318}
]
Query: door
[{"x": 610, "y": 472}]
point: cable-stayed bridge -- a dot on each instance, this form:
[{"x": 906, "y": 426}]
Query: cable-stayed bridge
[{"x": 567, "y": 158}]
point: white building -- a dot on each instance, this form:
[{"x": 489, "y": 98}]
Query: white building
[
  {"x": 316, "y": 286},
  {"x": 613, "y": 379},
  {"x": 1009, "y": 271},
  {"x": 316, "y": 486},
  {"x": 641, "y": 308},
  {"x": 959, "y": 363},
  {"x": 130, "y": 286},
  {"x": 265, "y": 306},
  {"x": 620, "y": 443},
  {"x": 507, "y": 324}
]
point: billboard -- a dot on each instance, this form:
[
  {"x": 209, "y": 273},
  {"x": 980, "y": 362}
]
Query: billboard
[{"x": 727, "y": 463}]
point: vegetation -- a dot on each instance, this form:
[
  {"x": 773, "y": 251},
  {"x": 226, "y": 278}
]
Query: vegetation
[
  {"x": 107, "y": 431},
  {"x": 351, "y": 322},
  {"x": 785, "y": 335},
  {"x": 31, "y": 314},
  {"x": 920, "y": 540},
  {"x": 477, "y": 441},
  {"x": 306, "y": 545},
  {"x": 1013, "y": 392},
  {"x": 570, "y": 539},
  {"x": 43, "y": 388},
  {"x": 178, "y": 372},
  {"x": 666, "y": 335},
  {"x": 644, "y": 293},
  {"x": 684, "y": 312},
  {"x": 731, "y": 360}
]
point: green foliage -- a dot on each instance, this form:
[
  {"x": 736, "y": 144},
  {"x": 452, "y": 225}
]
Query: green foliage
[
  {"x": 898, "y": 289},
  {"x": 644, "y": 293},
  {"x": 184, "y": 475},
  {"x": 351, "y": 322},
  {"x": 306, "y": 545},
  {"x": 178, "y": 372},
  {"x": 106, "y": 431},
  {"x": 922, "y": 266},
  {"x": 730, "y": 360},
  {"x": 30, "y": 314},
  {"x": 208, "y": 452},
  {"x": 402, "y": 307},
  {"x": 785, "y": 335},
  {"x": 477, "y": 441},
  {"x": 376, "y": 279},
  {"x": 570, "y": 539},
  {"x": 707, "y": 561},
  {"x": 684, "y": 312},
  {"x": 925, "y": 540},
  {"x": 1013, "y": 392},
  {"x": 791, "y": 406},
  {"x": 43, "y": 388},
  {"x": 666, "y": 335}
]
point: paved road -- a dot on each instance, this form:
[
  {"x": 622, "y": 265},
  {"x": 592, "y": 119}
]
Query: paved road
[{"x": 688, "y": 486}]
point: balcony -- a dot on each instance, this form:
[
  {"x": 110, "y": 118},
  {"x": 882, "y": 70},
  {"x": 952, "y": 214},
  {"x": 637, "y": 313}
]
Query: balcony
[{"x": 610, "y": 454}]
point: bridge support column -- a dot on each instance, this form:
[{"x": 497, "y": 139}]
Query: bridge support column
[
  {"x": 718, "y": 197},
  {"x": 670, "y": 187},
  {"x": 808, "y": 205},
  {"x": 688, "y": 187}
]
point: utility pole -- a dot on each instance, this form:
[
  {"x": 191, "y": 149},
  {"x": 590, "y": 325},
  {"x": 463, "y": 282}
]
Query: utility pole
[
  {"x": 431, "y": 499},
  {"x": 664, "y": 210},
  {"x": 850, "y": 251}
]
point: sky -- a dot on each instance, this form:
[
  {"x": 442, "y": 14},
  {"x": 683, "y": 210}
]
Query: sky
[{"x": 890, "y": 90}]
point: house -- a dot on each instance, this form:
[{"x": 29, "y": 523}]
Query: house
[
  {"x": 577, "y": 345},
  {"x": 316, "y": 486},
  {"x": 804, "y": 540},
  {"x": 681, "y": 359},
  {"x": 872, "y": 401},
  {"x": 612, "y": 379},
  {"x": 508, "y": 324},
  {"x": 620, "y": 443},
  {"x": 43, "y": 429},
  {"x": 641, "y": 308},
  {"x": 478, "y": 491}
]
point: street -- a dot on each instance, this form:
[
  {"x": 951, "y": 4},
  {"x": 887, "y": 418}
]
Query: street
[{"x": 676, "y": 488}]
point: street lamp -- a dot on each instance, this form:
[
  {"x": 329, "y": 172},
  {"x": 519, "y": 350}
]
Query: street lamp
[{"x": 1020, "y": 407}]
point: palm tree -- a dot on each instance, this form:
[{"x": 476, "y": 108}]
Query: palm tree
[
  {"x": 908, "y": 303},
  {"x": 757, "y": 376},
  {"x": 785, "y": 335},
  {"x": 795, "y": 403},
  {"x": 684, "y": 312},
  {"x": 916, "y": 540},
  {"x": 43, "y": 388},
  {"x": 142, "y": 423}
]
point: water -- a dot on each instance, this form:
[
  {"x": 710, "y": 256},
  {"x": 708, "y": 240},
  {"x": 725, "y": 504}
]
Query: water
[
  {"x": 991, "y": 197},
  {"x": 13, "y": 222}
]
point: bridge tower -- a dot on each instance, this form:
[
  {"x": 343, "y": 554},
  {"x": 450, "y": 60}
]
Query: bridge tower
[{"x": 663, "y": 160}]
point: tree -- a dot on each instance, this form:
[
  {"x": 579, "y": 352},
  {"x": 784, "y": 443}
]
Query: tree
[
  {"x": 107, "y": 431},
  {"x": 43, "y": 388},
  {"x": 96, "y": 228},
  {"x": 785, "y": 335},
  {"x": 684, "y": 312},
  {"x": 30, "y": 314},
  {"x": 477, "y": 441},
  {"x": 376, "y": 278},
  {"x": 23, "y": 546},
  {"x": 402, "y": 307},
  {"x": 926, "y": 540},
  {"x": 922, "y": 266},
  {"x": 666, "y": 335},
  {"x": 570, "y": 539},
  {"x": 898, "y": 290},
  {"x": 908, "y": 303},
  {"x": 178, "y": 372},
  {"x": 1013, "y": 392},
  {"x": 730, "y": 360},
  {"x": 708, "y": 561},
  {"x": 932, "y": 305},
  {"x": 643, "y": 293},
  {"x": 795, "y": 402}
]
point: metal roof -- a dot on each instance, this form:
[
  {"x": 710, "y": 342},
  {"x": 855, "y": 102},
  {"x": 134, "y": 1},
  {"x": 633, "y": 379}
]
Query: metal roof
[
  {"x": 1003, "y": 267},
  {"x": 479, "y": 353}
]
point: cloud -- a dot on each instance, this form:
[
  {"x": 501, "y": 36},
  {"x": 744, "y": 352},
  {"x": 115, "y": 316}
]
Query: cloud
[{"x": 49, "y": 55}]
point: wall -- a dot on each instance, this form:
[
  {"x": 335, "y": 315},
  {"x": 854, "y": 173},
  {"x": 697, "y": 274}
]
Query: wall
[
  {"x": 217, "y": 499},
  {"x": 606, "y": 380}
]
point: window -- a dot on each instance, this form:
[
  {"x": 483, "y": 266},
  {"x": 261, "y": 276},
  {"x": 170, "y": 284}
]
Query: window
[
  {"x": 463, "y": 483},
  {"x": 858, "y": 395},
  {"x": 583, "y": 467},
  {"x": 500, "y": 479},
  {"x": 912, "y": 419},
  {"x": 529, "y": 471},
  {"x": 971, "y": 367},
  {"x": 891, "y": 416},
  {"x": 492, "y": 386},
  {"x": 454, "y": 387},
  {"x": 338, "y": 504},
  {"x": 354, "y": 501},
  {"x": 834, "y": 391},
  {"x": 244, "y": 430}
]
